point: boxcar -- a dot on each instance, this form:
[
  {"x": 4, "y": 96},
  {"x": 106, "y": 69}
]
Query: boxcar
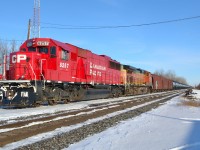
[{"x": 161, "y": 83}]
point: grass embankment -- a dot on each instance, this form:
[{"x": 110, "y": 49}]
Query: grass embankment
[{"x": 191, "y": 101}]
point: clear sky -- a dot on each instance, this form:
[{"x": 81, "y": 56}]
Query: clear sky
[{"x": 171, "y": 46}]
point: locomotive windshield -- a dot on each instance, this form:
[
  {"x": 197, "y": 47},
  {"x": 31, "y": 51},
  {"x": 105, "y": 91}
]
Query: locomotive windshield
[
  {"x": 32, "y": 49},
  {"x": 43, "y": 50},
  {"x": 39, "y": 49}
]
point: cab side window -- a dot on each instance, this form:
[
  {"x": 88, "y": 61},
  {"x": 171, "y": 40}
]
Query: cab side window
[
  {"x": 53, "y": 52},
  {"x": 64, "y": 54},
  {"x": 23, "y": 50}
]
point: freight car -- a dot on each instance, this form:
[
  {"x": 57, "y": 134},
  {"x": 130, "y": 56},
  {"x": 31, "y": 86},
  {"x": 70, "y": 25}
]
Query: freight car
[
  {"x": 48, "y": 70},
  {"x": 160, "y": 83},
  {"x": 177, "y": 86}
]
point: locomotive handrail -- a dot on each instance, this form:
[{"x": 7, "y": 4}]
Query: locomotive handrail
[
  {"x": 35, "y": 77},
  {"x": 41, "y": 67},
  {"x": 15, "y": 81}
]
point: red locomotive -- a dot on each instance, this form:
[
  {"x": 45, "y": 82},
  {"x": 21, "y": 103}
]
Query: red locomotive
[{"x": 48, "y": 70}]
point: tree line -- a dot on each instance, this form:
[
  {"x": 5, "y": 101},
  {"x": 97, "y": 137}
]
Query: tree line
[
  {"x": 198, "y": 86},
  {"x": 6, "y": 47},
  {"x": 170, "y": 74}
]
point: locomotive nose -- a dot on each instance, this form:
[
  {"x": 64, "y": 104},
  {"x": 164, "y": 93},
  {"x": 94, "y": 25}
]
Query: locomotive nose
[{"x": 24, "y": 66}]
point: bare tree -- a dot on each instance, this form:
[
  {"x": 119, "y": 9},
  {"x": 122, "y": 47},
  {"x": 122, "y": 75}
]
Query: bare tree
[
  {"x": 13, "y": 45},
  {"x": 159, "y": 72},
  {"x": 3, "y": 52},
  {"x": 181, "y": 80},
  {"x": 170, "y": 74},
  {"x": 198, "y": 86},
  {"x": 5, "y": 49}
]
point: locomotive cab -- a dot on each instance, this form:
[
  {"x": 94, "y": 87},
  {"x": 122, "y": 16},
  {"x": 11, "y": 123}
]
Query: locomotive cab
[
  {"x": 49, "y": 58},
  {"x": 27, "y": 64}
]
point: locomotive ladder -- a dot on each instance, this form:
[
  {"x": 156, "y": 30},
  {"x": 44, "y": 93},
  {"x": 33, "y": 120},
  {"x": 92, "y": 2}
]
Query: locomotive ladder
[
  {"x": 41, "y": 67},
  {"x": 35, "y": 78}
]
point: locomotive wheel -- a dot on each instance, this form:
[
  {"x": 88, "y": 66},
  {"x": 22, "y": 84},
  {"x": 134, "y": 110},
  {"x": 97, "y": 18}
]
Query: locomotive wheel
[
  {"x": 76, "y": 94},
  {"x": 36, "y": 104},
  {"x": 71, "y": 96},
  {"x": 80, "y": 93},
  {"x": 119, "y": 93},
  {"x": 66, "y": 101},
  {"x": 57, "y": 95},
  {"x": 52, "y": 102},
  {"x": 114, "y": 93}
]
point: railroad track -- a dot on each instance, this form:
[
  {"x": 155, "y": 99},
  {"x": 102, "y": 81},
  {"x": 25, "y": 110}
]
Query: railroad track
[{"x": 78, "y": 123}]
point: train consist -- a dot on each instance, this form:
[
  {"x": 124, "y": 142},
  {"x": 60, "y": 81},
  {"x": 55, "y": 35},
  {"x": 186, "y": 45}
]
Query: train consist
[{"x": 48, "y": 70}]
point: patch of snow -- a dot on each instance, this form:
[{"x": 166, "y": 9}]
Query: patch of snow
[
  {"x": 171, "y": 126},
  {"x": 194, "y": 146},
  {"x": 196, "y": 94}
]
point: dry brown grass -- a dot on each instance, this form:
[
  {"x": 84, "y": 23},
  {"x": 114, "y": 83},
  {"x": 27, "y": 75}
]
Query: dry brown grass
[{"x": 191, "y": 103}]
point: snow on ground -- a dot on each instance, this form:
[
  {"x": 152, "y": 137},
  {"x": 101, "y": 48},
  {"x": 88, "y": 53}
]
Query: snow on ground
[
  {"x": 196, "y": 94},
  {"x": 171, "y": 126}
]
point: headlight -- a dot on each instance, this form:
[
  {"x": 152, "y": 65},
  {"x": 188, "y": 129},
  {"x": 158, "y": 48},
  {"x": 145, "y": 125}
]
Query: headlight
[{"x": 10, "y": 94}]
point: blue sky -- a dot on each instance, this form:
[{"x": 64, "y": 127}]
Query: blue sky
[{"x": 173, "y": 46}]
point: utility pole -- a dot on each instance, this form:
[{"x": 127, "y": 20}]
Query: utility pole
[
  {"x": 4, "y": 66},
  {"x": 36, "y": 19}
]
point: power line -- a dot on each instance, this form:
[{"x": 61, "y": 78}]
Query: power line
[
  {"x": 64, "y": 25},
  {"x": 56, "y": 26},
  {"x": 11, "y": 40}
]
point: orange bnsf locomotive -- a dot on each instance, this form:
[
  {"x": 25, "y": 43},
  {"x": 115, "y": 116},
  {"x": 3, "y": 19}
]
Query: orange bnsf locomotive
[{"x": 48, "y": 70}]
